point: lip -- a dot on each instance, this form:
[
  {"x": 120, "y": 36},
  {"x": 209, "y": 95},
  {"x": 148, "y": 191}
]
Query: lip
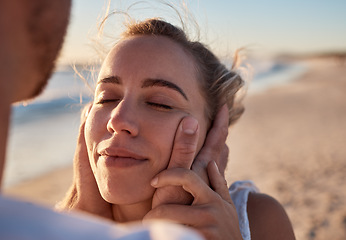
[{"x": 120, "y": 157}]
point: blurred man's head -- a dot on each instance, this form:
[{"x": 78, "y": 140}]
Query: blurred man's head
[{"x": 32, "y": 34}]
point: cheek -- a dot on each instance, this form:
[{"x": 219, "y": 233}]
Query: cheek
[
  {"x": 162, "y": 132},
  {"x": 95, "y": 126}
]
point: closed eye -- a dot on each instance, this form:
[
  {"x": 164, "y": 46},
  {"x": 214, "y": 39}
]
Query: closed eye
[
  {"x": 160, "y": 106},
  {"x": 103, "y": 101}
]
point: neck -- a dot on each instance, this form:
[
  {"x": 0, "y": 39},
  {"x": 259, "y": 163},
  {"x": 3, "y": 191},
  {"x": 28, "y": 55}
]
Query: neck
[{"x": 132, "y": 212}]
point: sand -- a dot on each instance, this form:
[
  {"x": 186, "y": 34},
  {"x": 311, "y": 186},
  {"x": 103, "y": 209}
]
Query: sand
[{"x": 291, "y": 142}]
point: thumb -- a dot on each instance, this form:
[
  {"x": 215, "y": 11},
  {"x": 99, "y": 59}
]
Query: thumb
[
  {"x": 185, "y": 144},
  {"x": 82, "y": 169}
]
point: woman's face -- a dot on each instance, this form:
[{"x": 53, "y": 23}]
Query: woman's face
[{"x": 145, "y": 87}]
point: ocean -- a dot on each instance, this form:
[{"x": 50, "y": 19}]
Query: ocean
[{"x": 43, "y": 132}]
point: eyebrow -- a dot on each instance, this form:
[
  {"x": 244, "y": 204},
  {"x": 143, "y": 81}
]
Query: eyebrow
[
  {"x": 111, "y": 79},
  {"x": 150, "y": 82},
  {"x": 163, "y": 83}
]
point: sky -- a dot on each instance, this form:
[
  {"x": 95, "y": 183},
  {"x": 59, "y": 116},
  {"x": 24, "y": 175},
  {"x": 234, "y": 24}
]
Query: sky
[{"x": 263, "y": 27}]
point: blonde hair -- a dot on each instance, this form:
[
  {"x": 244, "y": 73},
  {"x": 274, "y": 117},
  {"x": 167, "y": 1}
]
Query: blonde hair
[{"x": 218, "y": 84}]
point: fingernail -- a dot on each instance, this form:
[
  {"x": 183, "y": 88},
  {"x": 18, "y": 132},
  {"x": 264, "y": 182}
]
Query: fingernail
[
  {"x": 217, "y": 168},
  {"x": 154, "y": 181},
  {"x": 190, "y": 125}
]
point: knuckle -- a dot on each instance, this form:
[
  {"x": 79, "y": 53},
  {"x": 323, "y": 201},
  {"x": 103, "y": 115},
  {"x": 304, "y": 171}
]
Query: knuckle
[
  {"x": 185, "y": 148},
  {"x": 165, "y": 194},
  {"x": 159, "y": 212},
  {"x": 186, "y": 174},
  {"x": 207, "y": 214}
]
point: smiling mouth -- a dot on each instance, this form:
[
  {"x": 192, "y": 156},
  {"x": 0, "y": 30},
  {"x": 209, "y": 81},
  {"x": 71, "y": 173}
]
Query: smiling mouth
[{"x": 120, "y": 159}]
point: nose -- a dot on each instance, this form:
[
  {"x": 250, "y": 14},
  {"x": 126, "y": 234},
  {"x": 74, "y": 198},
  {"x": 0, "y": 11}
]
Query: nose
[{"x": 123, "y": 120}]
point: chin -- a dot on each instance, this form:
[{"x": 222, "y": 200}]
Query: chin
[{"x": 127, "y": 195}]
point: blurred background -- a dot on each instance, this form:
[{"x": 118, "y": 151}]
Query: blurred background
[{"x": 290, "y": 141}]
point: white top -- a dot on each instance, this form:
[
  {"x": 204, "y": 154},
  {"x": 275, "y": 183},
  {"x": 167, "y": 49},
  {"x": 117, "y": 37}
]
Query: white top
[
  {"x": 21, "y": 220},
  {"x": 239, "y": 192}
]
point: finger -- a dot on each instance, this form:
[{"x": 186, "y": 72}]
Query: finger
[
  {"x": 80, "y": 160},
  {"x": 81, "y": 153},
  {"x": 216, "y": 137},
  {"x": 222, "y": 161},
  {"x": 82, "y": 171},
  {"x": 188, "y": 180},
  {"x": 213, "y": 148},
  {"x": 183, "y": 154},
  {"x": 85, "y": 112},
  {"x": 218, "y": 182},
  {"x": 185, "y": 144},
  {"x": 199, "y": 167},
  {"x": 87, "y": 197},
  {"x": 182, "y": 214}
]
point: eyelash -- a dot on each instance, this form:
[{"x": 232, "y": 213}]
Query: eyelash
[
  {"x": 103, "y": 101},
  {"x": 152, "y": 104},
  {"x": 161, "y": 106}
]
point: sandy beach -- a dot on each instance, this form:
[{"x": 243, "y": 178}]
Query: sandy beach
[{"x": 290, "y": 142}]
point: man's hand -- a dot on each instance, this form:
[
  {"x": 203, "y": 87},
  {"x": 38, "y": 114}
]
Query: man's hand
[
  {"x": 84, "y": 194},
  {"x": 212, "y": 211},
  {"x": 183, "y": 154}
]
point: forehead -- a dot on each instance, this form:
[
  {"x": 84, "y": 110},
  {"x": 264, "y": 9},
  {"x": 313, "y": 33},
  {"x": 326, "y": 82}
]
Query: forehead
[{"x": 158, "y": 56}]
